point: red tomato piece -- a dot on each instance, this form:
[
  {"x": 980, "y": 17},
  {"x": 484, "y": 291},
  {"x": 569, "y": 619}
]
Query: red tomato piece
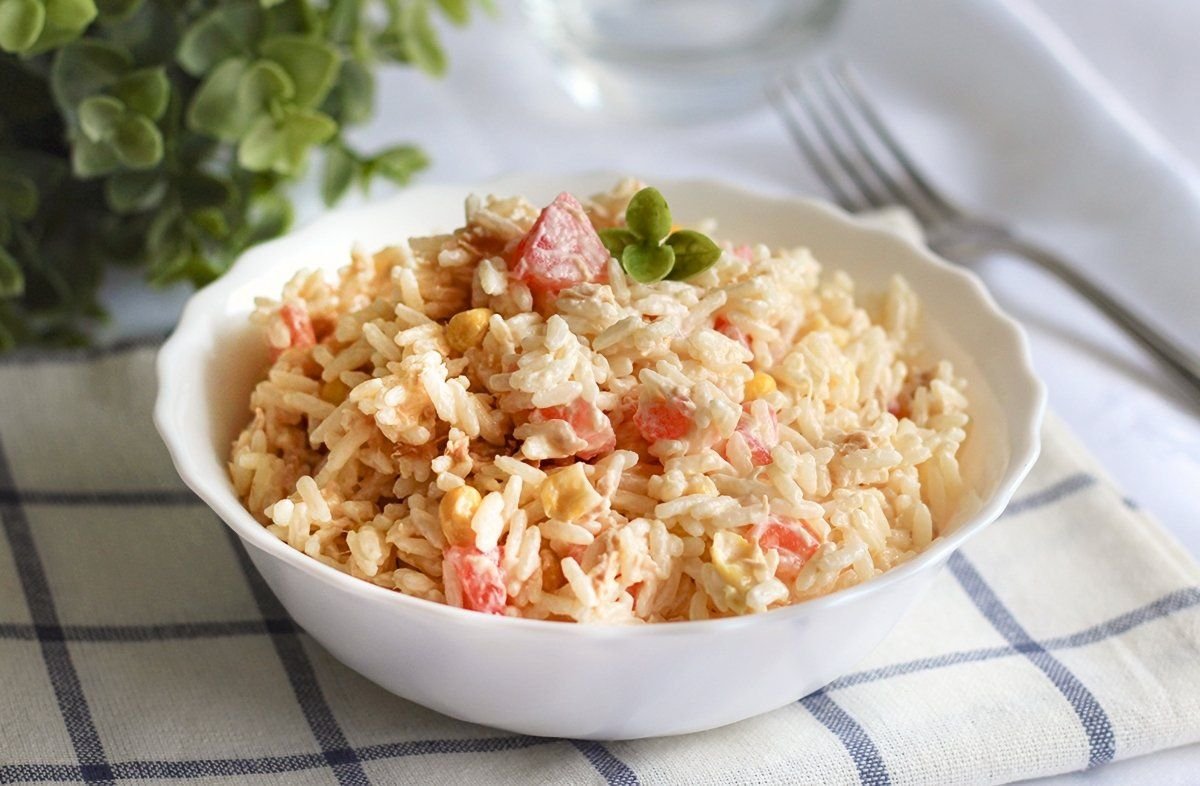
[
  {"x": 663, "y": 419},
  {"x": 759, "y": 426},
  {"x": 479, "y": 577},
  {"x": 561, "y": 250},
  {"x": 723, "y": 325},
  {"x": 587, "y": 421},
  {"x": 744, "y": 252},
  {"x": 793, "y": 539},
  {"x": 299, "y": 325}
]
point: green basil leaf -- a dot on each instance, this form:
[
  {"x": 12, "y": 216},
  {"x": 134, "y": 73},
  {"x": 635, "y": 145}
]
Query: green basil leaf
[
  {"x": 92, "y": 159},
  {"x": 12, "y": 280},
  {"x": 137, "y": 141},
  {"x": 263, "y": 83},
  {"x": 65, "y": 20},
  {"x": 647, "y": 263},
  {"x": 146, "y": 90},
  {"x": 615, "y": 239},
  {"x": 85, "y": 68},
  {"x": 694, "y": 253},
  {"x": 340, "y": 168},
  {"x": 421, "y": 45},
  {"x": 648, "y": 216},
  {"x": 311, "y": 64},
  {"x": 229, "y": 30},
  {"x": 457, "y": 11},
  {"x": 270, "y": 3},
  {"x": 282, "y": 145},
  {"x": 214, "y": 108},
  {"x": 398, "y": 164},
  {"x": 134, "y": 192},
  {"x": 18, "y": 195},
  {"x": 21, "y": 22},
  {"x": 99, "y": 117}
]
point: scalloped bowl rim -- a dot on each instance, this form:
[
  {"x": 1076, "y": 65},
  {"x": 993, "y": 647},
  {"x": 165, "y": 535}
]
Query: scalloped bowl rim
[{"x": 1025, "y": 447}]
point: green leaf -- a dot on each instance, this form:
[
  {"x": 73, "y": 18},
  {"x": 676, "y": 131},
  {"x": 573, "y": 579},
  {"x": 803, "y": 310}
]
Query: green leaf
[
  {"x": 398, "y": 164},
  {"x": 421, "y": 44},
  {"x": 647, "y": 263},
  {"x": 458, "y": 11},
  {"x": 134, "y": 192},
  {"x": 198, "y": 190},
  {"x": 340, "y": 168},
  {"x": 211, "y": 221},
  {"x": 137, "y": 141},
  {"x": 99, "y": 117},
  {"x": 18, "y": 195},
  {"x": 311, "y": 64},
  {"x": 343, "y": 20},
  {"x": 694, "y": 253},
  {"x": 270, "y": 3},
  {"x": 146, "y": 90},
  {"x": 117, "y": 9},
  {"x": 615, "y": 239},
  {"x": 92, "y": 159},
  {"x": 85, "y": 68},
  {"x": 229, "y": 30},
  {"x": 214, "y": 108},
  {"x": 648, "y": 216},
  {"x": 65, "y": 20},
  {"x": 270, "y": 215},
  {"x": 282, "y": 145},
  {"x": 12, "y": 280},
  {"x": 263, "y": 84},
  {"x": 21, "y": 22},
  {"x": 353, "y": 96}
]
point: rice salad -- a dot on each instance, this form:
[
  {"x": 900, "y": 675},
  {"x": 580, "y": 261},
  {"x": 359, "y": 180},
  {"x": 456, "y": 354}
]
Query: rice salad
[{"x": 503, "y": 420}]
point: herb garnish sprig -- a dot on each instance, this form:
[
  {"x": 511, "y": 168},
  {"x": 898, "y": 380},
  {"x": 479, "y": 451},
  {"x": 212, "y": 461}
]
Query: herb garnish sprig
[{"x": 648, "y": 249}]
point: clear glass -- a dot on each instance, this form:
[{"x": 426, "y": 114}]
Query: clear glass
[{"x": 677, "y": 58}]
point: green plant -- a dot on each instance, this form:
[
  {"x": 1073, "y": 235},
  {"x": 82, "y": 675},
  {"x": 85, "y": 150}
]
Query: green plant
[
  {"x": 648, "y": 249},
  {"x": 158, "y": 134}
]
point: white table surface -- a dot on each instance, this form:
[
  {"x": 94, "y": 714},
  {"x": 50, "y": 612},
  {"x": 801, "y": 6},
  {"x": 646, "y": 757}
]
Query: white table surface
[{"x": 1144, "y": 432}]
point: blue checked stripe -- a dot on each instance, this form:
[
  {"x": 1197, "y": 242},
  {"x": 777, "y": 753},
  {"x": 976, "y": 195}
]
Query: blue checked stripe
[
  {"x": 299, "y": 670},
  {"x": 68, "y": 691},
  {"x": 866, "y": 757},
  {"x": 614, "y": 771},
  {"x": 1102, "y": 743},
  {"x": 1072, "y": 484}
]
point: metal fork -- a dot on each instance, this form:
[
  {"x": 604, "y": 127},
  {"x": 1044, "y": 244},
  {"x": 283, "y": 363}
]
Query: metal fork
[{"x": 859, "y": 160}]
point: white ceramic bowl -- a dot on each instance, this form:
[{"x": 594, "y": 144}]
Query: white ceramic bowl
[{"x": 583, "y": 681}]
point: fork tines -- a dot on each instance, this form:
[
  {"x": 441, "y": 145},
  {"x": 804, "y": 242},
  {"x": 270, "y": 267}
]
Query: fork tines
[{"x": 848, "y": 145}]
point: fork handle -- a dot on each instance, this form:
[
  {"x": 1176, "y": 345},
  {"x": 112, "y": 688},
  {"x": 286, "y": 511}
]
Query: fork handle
[{"x": 1184, "y": 364}]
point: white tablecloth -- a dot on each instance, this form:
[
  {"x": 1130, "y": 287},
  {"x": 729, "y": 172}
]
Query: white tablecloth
[{"x": 500, "y": 111}]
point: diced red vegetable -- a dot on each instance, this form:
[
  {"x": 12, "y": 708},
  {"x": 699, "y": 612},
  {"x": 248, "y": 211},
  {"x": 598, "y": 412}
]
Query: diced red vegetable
[
  {"x": 587, "y": 421},
  {"x": 561, "y": 250},
  {"x": 723, "y": 325},
  {"x": 793, "y": 539},
  {"x": 479, "y": 576},
  {"x": 299, "y": 325},
  {"x": 663, "y": 419},
  {"x": 759, "y": 426}
]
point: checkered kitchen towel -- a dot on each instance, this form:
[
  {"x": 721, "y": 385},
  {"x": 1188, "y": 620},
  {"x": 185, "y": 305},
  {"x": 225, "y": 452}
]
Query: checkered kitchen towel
[{"x": 138, "y": 644}]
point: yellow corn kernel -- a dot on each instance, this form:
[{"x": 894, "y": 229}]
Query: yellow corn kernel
[
  {"x": 731, "y": 556},
  {"x": 466, "y": 329},
  {"x": 335, "y": 391},
  {"x": 761, "y": 384},
  {"x": 700, "y": 484},
  {"x": 455, "y": 512},
  {"x": 567, "y": 494}
]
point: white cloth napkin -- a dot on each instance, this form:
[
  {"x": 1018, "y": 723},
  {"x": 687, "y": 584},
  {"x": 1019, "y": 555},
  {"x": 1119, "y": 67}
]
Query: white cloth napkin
[{"x": 137, "y": 643}]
